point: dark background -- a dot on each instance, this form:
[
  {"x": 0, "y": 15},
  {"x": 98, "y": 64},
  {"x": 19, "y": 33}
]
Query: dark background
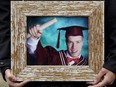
[{"x": 107, "y": 43}]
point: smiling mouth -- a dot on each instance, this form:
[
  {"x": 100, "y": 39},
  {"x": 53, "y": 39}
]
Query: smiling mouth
[{"x": 74, "y": 51}]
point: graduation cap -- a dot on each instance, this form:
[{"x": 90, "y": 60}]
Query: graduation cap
[{"x": 71, "y": 31}]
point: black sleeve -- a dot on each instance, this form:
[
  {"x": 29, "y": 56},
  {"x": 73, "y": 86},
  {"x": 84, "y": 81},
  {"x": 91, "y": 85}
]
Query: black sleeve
[
  {"x": 4, "y": 35},
  {"x": 110, "y": 35}
]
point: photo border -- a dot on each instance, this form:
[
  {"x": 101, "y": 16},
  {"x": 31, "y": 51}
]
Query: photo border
[{"x": 19, "y": 12}]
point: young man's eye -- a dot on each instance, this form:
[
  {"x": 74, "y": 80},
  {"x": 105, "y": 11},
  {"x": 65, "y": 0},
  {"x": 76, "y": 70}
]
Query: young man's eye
[
  {"x": 69, "y": 42},
  {"x": 77, "y": 42}
]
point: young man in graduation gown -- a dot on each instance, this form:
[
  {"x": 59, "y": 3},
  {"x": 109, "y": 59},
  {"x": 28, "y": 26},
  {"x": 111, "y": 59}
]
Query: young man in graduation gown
[{"x": 50, "y": 56}]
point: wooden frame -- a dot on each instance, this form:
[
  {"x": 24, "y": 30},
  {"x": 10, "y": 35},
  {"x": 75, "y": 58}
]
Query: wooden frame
[{"x": 95, "y": 12}]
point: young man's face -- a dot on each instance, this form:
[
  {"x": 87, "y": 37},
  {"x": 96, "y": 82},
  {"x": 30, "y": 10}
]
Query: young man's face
[{"x": 74, "y": 45}]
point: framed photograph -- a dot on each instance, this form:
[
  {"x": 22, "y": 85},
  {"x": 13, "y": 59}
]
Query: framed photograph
[{"x": 57, "y": 40}]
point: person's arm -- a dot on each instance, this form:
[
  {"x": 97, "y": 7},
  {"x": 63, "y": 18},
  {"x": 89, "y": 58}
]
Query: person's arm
[
  {"x": 34, "y": 38},
  {"x": 110, "y": 63},
  {"x": 32, "y": 44},
  {"x": 5, "y": 45},
  {"x": 35, "y": 33},
  {"x": 4, "y": 36},
  {"x": 107, "y": 74}
]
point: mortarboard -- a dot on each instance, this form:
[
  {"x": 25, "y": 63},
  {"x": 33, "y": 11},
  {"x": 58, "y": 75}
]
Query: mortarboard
[{"x": 70, "y": 31}]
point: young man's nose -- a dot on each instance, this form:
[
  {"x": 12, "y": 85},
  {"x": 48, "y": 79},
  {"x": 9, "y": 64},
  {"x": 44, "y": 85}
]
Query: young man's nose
[{"x": 73, "y": 45}]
